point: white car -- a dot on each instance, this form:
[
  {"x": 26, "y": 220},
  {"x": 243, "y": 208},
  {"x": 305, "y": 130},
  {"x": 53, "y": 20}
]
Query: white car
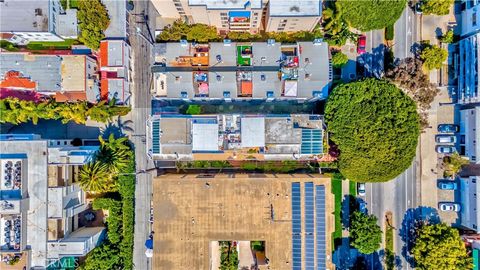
[
  {"x": 449, "y": 206},
  {"x": 361, "y": 189}
]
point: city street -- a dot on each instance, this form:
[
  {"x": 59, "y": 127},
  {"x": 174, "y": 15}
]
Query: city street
[
  {"x": 372, "y": 60},
  {"x": 141, "y": 107},
  {"x": 396, "y": 196},
  {"x": 407, "y": 33}
]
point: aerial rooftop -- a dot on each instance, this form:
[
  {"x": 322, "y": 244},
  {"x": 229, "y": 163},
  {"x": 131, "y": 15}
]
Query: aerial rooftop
[
  {"x": 282, "y": 8},
  {"x": 229, "y": 70},
  {"x": 225, "y": 137},
  {"x": 222, "y": 4}
]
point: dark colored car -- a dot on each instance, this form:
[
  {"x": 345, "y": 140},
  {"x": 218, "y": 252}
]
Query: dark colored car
[
  {"x": 419, "y": 7},
  {"x": 447, "y": 128},
  {"x": 362, "y": 44},
  {"x": 445, "y": 149}
]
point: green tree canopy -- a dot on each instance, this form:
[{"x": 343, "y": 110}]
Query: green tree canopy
[
  {"x": 440, "y": 247},
  {"x": 104, "y": 257},
  {"x": 93, "y": 20},
  {"x": 376, "y": 128},
  {"x": 433, "y": 57},
  {"x": 366, "y": 235},
  {"x": 202, "y": 33},
  {"x": 339, "y": 59},
  {"x": 436, "y": 7},
  {"x": 95, "y": 177},
  {"x": 371, "y": 14}
]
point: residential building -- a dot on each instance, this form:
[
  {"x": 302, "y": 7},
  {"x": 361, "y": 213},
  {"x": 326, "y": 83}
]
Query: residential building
[
  {"x": 470, "y": 23},
  {"x": 469, "y": 215},
  {"x": 244, "y": 70},
  {"x": 244, "y": 15},
  {"x": 118, "y": 28},
  {"x": 468, "y": 69},
  {"x": 238, "y": 137},
  {"x": 470, "y": 133},
  {"x": 115, "y": 70},
  {"x": 290, "y": 213},
  {"x": 23, "y": 21},
  {"x": 42, "y": 205},
  {"x": 64, "y": 77}
]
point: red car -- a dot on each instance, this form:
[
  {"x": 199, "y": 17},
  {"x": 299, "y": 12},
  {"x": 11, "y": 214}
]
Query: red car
[{"x": 361, "y": 44}]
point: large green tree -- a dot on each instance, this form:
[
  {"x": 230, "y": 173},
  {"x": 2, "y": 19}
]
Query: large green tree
[
  {"x": 371, "y": 14},
  {"x": 339, "y": 59},
  {"x": 366, "y": 235},
  {"x": 440, "y": 247},
  {"x": 433, "y": 57},
  {"x": 93, "y": 20},
  {"x": 436, "y": 7},
  {"x": 104, "y": 257},
  {"x": 375, "y": 126},
  {"x": 95, "y": 178},
  {"x": 115, "y": 153}
]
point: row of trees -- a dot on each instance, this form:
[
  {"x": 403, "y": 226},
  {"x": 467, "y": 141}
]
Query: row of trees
[
  {"x": 111, "y": 177},
  {"x": 16, "y": 111},
  {"x": 204, "y": 33}
]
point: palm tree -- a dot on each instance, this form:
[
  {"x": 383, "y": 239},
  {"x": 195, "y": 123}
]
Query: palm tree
[
  {"x": 95, "y": 178},
  {"x": 114, "y": 153}
]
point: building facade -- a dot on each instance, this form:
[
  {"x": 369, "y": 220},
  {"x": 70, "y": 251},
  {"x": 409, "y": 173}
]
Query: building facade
[
  {"x": 244, "y": 15},
  {"x": 42, "y": 205},
  {"x": 23, "y": 21},
  {"x": 470, "y": 134},
  {"x": 469, "y": 215}
]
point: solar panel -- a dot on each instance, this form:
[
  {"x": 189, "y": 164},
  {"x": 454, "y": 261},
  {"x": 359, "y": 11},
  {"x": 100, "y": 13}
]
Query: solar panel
[
  {"x": 320, "y": 226},
  {"x": 311, "y": 141},
  {"x": 156, "y": 137},
  {"x": 296, "y": 227},
  {"x": 309, "y": 226}
]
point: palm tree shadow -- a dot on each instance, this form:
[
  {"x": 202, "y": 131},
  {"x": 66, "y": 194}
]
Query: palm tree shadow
[{"x": 118, "y": 128}]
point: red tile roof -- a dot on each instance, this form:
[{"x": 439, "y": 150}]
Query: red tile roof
[
  {"x": 14, "y": 80},
  {"x": 104, "y": 54},
  {"x": 70, "y": 96}
]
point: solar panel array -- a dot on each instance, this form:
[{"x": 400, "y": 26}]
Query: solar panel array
[
  {"x": 309, "y": 227},
  {"x": 321, "y": 224},
  {"x": 311, "y": 141},
  {"x": 296, "y": 227},
  {"x": 156, "y": 137}
]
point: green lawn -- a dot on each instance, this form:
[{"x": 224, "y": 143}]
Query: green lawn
[
  {"x": 337, "y": 192},
  {"x": 352, "y": 187},
  {"x": 55, "y": 45}
]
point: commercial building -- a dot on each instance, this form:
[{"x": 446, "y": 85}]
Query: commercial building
[
  {"x": 42, "y": 207},
  {"x": 23, "y": 21},
  {"x": 235, "y": 137},
  {"x": 247, "y": 70},
  {"x": 244, "y": 15},
  {"x": 290, "y": 213},
  {"x": 115, "y": 70}
]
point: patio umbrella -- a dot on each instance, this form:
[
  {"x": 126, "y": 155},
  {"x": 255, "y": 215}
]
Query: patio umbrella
[
  {"x": 149, "y": 253},
  {"x": 149, "y": 244}
]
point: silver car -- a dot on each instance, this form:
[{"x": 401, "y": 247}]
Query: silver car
[
  {"x": 445, "y": 139},
  {"x": 361, "y": 189},
  {"x": 449, "y": 206}
]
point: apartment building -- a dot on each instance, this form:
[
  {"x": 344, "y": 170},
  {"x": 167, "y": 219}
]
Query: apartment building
[
  {"x": 469, "y": 215},
  {"x": 244, "y": 15},
  {"x": 42, "y": 208},
  {"x": 23, "y": 21},
  {"x": 468, "y": 75},
  {"x": 115, "y": 70},
  {"x": 470, "y": 133},
  {"x": 242, "y": 71},
  {"x": 118, "y": 28},
  {"x": 235, "y": 137},
  {"x": 64, "y": 77},
  {"x": 470, "y": 23}
]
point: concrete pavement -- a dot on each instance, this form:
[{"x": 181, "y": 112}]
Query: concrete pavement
[{"x": 141, "y": 106}]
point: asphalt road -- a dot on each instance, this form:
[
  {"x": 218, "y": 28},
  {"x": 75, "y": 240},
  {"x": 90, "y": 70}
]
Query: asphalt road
[
  {"x": 372, "y": 60},
  {"x": 407, "y": 33},
  {"x": 396, "y": 196},
  {"x": 141, "y": 106}
]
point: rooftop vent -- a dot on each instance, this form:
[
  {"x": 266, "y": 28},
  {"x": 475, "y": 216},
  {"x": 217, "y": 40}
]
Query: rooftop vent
[{"x": 295, "y": 8}]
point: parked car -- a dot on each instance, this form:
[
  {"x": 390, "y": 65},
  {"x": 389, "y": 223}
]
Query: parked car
[
  {"x": 449, "y": 206},
  {"x": 445, "y": 149},
  {"x": 447, "y": 128},
  {"x": 362, "y": 44},
  {"x": 362, "y": 206},
  {"x": 418, "y": 7},
  {"x": 361, "y": 189},
  {"x": 447, "y": 185},
  {"x": 446, "y": 139}
]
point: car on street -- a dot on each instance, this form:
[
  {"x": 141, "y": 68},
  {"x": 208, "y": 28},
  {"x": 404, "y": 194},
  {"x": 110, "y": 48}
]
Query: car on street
[
  {"x": 362, "y": 44},
  {"x": 447, "y": 128},
  {"x": 418, "y": 7},
  {"x": 445, "y": 149},
  {"x": 449, "y": 206},
  {"x": 447, "y": 185},
  {"x": 445, "y": 139},
  {"x": 361, "y": 189}
]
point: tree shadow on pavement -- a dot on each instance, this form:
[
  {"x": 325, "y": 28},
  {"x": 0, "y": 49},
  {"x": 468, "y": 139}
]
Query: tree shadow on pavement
[
  {"x": 412, "y": 220},
  {"x": 373, "y": 62},
  {"x": 351, "y": 204}
]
